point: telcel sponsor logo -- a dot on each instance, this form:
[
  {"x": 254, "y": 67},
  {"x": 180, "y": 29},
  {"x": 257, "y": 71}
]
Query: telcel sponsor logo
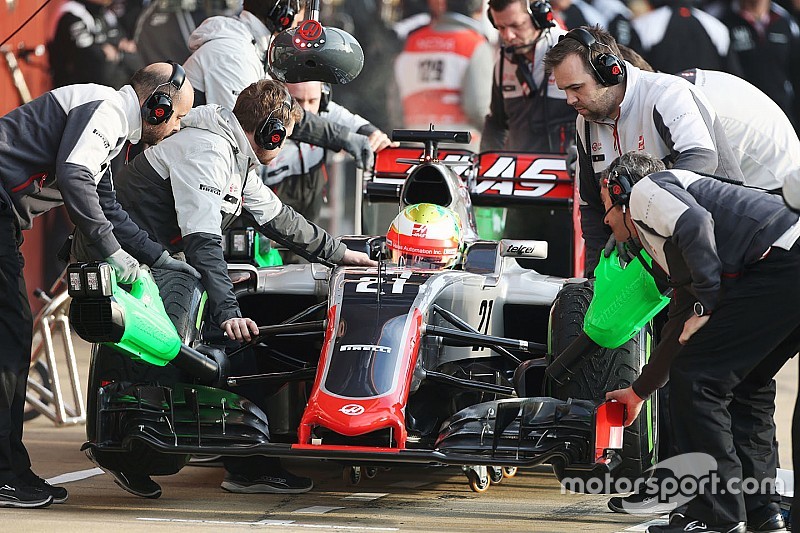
[
  {"x": 364, "y": 348},
  {"x": 518, "y": 249}
]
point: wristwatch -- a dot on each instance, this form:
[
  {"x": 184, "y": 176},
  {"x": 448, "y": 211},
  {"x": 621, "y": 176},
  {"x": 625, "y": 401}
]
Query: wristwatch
[{"x": 700, "y": 310}]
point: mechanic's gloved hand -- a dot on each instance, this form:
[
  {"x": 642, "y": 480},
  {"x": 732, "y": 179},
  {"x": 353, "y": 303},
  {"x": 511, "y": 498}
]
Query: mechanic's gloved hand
[
  {"x": 379, "y": 140},
  {"x": 359, "y": 147},
  {"x": 125, "y": 266},
  {"x": 572, "y": 161},
  {"x": 239, "y": 329},
  {"x": 354, "y": 258},
  {"x": 622, "y": 251},
  {"x": 170, "y": 263}
]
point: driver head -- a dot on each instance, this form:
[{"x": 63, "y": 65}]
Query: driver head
[{"x": 425, "y": 236}]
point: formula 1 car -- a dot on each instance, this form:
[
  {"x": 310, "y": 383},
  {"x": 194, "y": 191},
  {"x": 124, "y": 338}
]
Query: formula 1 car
[{"x": 367, "y": 366}]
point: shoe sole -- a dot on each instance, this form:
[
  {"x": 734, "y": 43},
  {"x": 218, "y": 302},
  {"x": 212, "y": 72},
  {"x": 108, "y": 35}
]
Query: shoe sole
[
  {"x": 61, "y": 500},
  {"x": 261, "y": 489},
  {"x": 658, "y": 509},
  {"x": 126, "y": 488},
  {"x": 121, "y": 484},
  {"x": 27, "y": 505}
]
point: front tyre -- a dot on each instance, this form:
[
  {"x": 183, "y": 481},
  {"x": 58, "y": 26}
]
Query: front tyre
[
  {"x": 183, "y": 300},
  {"x": 602, "y": 371}
]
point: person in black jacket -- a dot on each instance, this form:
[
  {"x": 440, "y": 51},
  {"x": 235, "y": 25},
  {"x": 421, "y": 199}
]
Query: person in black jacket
[
  {"x": 56, "y": 150},
  {"x": 89, "y": 46},
  {"x": 766, "y": 39},
  {"x": 734, "y": 253}
]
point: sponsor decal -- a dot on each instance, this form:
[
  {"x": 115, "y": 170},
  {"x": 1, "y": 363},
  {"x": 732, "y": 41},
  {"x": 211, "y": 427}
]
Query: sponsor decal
[
  {"x": 519, "y": 249},
  {"x": 525, "y": 175},
  {"x": 209, "y": 188},
  {"x": 352, "y": 409},
  {"x": 364, "y": 348},
  {"x": 597, "y": 146},
  {"x": 641, "y": 142},
  {"x": 106, "y": 144},
  {"x": 419, "y": 230}
]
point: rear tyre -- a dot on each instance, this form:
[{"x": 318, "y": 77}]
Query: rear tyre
[
  {"x": 602, "y": 371},
  {"x": 182, "y": 297}
]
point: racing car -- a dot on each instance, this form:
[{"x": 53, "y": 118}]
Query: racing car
[{"x": 375, "y": 366}]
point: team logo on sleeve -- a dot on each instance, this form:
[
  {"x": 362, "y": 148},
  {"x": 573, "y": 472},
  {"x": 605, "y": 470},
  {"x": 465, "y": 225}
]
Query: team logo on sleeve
[{"x": 209, "y": 188}]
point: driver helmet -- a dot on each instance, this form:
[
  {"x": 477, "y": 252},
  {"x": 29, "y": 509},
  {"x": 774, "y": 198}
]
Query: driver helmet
[{"x": 426, "y": 236}]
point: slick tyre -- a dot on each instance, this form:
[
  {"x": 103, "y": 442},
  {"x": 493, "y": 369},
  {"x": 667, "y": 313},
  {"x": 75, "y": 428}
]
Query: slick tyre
[
  {"x": 602, "y": 371},
  {"x": 182, "y": 297}
]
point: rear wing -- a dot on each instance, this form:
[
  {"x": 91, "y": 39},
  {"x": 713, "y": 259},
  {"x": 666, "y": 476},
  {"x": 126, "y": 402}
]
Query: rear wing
[{"x": 493, "y": 178}]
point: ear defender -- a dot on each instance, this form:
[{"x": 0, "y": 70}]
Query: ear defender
[
  {"x": 281, "y": 15},
  {"x": 608, "y": 69},
  {"x": 325, "y": 97},
  {"x": 271, "y": 132},
  {"x": 158, "y": 108},
  {"x": 540, "y": 12},
  {"x": 619, "y": 186}
]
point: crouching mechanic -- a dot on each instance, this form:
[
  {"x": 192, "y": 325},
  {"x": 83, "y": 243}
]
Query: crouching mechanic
[
  {"x": 733, "y": 251},
  {"x": 184, "y": 191},
  {"x": 57, "y": 150}
]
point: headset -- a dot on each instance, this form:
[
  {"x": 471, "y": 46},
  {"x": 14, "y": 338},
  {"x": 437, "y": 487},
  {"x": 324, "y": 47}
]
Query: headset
[
  {"x": 619, "y": 183},
  {"x": 271, "y": 132},
  {"x": 158, "y": 107},
  {"x": 326, "y": 93},
  {"x": 281, "y": 15},
  {"x": 540, "y": 12},
  {"x": 608, "y": 68}
]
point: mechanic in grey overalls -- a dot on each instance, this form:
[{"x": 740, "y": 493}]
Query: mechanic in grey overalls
[
  {"x": 229, "y": 53},
  {"x": 56, "y": 150},
  {"x": 184, "y": 191}
]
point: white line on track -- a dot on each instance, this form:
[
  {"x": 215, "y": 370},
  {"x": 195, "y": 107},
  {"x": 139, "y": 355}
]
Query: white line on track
[
  {"x": 316, "y": 509},
  {"x": 74, "y": 476},
  {"x": 269, "y": 523},
  {"x": 366, "y": 496},
  {"x": 661, "y": 521}
]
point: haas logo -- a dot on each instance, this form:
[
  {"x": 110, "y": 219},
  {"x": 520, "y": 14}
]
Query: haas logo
[
  {"x": 352, "y": 409},
  {"x": 419, "y": 231}
]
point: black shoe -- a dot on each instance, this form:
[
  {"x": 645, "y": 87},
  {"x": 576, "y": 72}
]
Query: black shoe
[
  {"x": 678, "y": 516},
  {"x": 32, "y": 481},
  {"x": 15, "y": 494},
  {"x": 137, "y": 484},
  {"x": 640, "y": 503},
  {"x": 696, "y": 526},
  {"x": 279, "y": 482},
  {"x": 768, "y": 520}
]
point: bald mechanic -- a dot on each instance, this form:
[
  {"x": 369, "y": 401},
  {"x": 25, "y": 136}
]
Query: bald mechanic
[{"x": 56, "y": 150}]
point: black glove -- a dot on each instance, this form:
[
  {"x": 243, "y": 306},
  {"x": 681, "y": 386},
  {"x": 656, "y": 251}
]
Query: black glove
[
  {"x": 358, "y": 146},
  {"x": 572, "y": 161},
  {"x": 625, "y": 256}
]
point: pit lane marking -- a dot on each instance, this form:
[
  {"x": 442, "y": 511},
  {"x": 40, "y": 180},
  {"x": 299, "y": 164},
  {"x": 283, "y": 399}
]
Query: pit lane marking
[
  {"x": 661, "y": 521},
  {"x": 268, "y": 523},
  {"x": 366, "y": 496},
  {"x": 69, "y": 477},
  {"x": 316, "y": 509}
]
